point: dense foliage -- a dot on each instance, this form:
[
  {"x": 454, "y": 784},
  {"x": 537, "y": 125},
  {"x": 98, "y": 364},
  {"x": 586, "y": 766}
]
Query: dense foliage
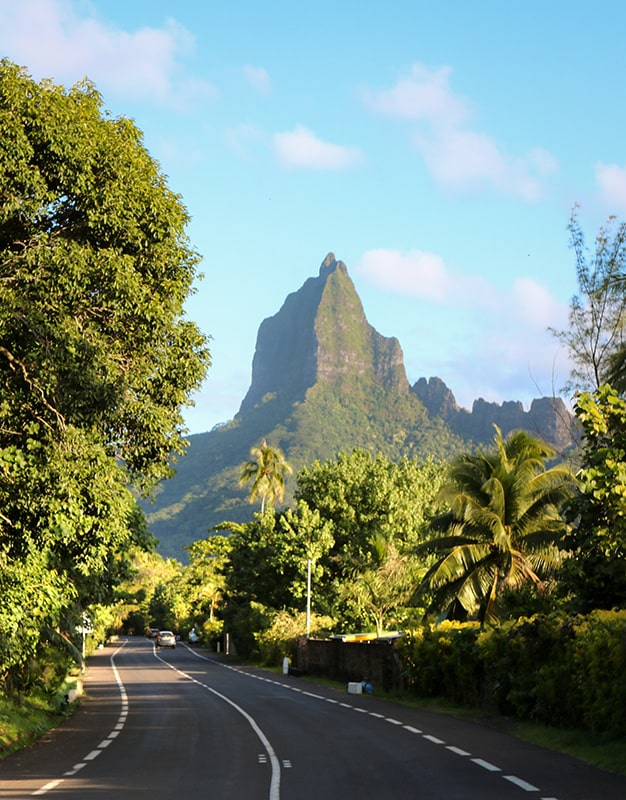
[
  {"x": 556, "y": 670},
  {"x": 500, "y": 526},
  {"x": 596, "y": 575},
  {"x": 356, "y": 518},
  {"x": 96, "y": 357}
]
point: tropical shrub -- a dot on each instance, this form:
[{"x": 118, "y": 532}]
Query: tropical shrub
[{"x": 556, "y": 670}]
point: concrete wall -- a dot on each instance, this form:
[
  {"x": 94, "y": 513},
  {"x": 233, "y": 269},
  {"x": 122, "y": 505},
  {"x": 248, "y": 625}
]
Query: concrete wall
[{"x": 352, "y": 661}]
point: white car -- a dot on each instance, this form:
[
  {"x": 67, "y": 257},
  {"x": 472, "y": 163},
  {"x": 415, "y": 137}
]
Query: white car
[{"x": 166, "y": 639}]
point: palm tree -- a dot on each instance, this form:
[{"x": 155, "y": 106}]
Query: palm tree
[
  {"x": 385, "y": 582},
  {"x": 266, "y": 469},
  {"x": 502, "y": 527}
]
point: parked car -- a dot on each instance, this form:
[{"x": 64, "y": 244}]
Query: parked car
[{"x": 166, "y": 639}]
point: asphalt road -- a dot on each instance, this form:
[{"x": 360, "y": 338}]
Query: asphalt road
[{"x": 186, "y": 724}]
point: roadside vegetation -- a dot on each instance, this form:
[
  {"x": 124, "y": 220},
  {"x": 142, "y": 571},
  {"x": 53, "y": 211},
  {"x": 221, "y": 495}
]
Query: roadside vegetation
[{"x": 504, "y": 566}]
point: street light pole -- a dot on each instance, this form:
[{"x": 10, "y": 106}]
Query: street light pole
[{"x": 308, "y": 598}]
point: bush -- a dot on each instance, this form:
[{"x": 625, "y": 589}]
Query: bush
[
  {"x": 281, "y": 638},
  {"x": 211, "y": 632},
  {"x": 560, "y": 671},
  {"x": 444, "y": 662}
]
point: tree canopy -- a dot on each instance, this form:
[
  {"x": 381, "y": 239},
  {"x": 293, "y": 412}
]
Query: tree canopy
[
  {"x": 597, "y": 317},
  {"x": 501, "y": 525},
  {"x": 596, "y": 575},
  {"x": 97, "y": 358}
]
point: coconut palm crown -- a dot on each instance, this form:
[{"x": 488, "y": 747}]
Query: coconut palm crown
[
  {"x": 500, "y": 528},
  {"x": 266, "y": 469}
]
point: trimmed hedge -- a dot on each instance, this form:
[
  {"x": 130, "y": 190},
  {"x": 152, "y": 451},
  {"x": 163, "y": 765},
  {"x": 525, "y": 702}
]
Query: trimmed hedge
[{"x": 565, "y": 672}]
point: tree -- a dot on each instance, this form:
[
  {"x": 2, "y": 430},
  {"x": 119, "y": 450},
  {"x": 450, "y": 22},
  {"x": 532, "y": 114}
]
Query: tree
[
  {"x": 96, "y": 356},
  {"x": 500, "y": 528},
  {"x": 266, "y": 470},
  {"x": 266, "y": 569},
  {"x": 268, "y": 558},
  {"x": 385, "y": 583},
  {"x": 204, "y": 579},
  {"x": 596, "y": 575},
  {"x": 364, "y": 497},
  {"x": 595, "y": 334}
]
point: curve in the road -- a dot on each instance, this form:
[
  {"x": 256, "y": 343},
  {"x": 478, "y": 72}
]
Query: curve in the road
[
  {"x": 480, "y": 762},
  {"x": 274, "y": 762}
]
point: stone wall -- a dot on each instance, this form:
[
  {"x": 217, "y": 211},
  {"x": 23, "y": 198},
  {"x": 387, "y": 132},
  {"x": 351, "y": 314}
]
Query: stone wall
[{"x": 352, "y": 661}]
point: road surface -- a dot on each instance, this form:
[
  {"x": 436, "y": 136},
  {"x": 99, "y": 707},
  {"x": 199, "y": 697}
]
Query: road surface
[{"x": 182, "y": 723}]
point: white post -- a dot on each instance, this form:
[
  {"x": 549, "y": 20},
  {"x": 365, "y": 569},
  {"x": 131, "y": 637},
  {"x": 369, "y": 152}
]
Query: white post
[{"x": 308, "y": 598}]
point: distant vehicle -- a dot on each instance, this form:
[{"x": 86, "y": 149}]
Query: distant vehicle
[
  {"x": 166, "y": 639},
  {"x": 193, "y": 637},
  {"x": 153, "y": 633}
]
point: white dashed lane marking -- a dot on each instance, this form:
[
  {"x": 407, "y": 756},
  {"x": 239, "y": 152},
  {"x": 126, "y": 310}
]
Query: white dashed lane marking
[
  {"x": 104, "y": 743},
  {"x": 480, "y": 762}
]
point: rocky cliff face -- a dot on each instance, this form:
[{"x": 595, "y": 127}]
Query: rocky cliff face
[
  {"x": 547, "y": 418},
  {"x": 321, "y": 335}
]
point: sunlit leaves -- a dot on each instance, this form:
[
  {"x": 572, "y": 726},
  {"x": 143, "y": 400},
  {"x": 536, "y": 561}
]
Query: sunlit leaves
[
  {"x": 596, "y": 576},
  {"x": 500, "y": 526},
  {"x": 96, "y": 356}
]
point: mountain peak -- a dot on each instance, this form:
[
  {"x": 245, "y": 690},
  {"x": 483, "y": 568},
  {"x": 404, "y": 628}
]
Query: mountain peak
[
  {"x": 320, "y": 334},
  {"x": 330, "y": 264}
]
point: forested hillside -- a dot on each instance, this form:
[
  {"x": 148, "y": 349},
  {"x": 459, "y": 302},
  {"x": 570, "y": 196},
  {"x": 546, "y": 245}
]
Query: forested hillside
[{"x": 324, "y": 381}]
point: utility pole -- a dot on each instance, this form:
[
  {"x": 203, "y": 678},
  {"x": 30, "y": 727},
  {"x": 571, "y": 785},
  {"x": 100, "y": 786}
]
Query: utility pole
[{"x": 308, "y": 598}]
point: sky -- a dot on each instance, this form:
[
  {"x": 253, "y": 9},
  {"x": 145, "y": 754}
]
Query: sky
[{"x": 438, "y": 149}]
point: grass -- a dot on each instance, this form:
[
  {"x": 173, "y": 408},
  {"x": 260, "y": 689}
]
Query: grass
[{"x": 25, "y": 719}]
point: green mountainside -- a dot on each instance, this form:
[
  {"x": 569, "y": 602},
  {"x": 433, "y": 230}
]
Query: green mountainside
[{"x": 325, "y": 381}]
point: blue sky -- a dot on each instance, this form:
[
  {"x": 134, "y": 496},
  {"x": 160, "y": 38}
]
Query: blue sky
[{"x": 436, "y": 148}]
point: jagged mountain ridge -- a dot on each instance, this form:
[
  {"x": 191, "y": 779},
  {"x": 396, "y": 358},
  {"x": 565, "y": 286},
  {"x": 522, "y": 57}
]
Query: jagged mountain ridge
[{"x": 324, "y": 380}]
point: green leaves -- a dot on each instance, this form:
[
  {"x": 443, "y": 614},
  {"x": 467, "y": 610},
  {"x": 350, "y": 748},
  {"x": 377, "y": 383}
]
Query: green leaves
[
  {"x": 266, "y": 470},
  {"x": 500, "y": 522},
  {"x": 596, "y": 578},
  {"x": 96, "y": 356}
]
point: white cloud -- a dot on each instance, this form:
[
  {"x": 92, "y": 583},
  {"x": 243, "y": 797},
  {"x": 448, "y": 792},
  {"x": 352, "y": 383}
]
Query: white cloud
[
  {"x": 51, "y": 40},
  {"x": 469, "y": 332},
  {"x": 460, "y": 159},
  {"x": 423, "y": 95},
  {"x": 466, "y": 161},
  {"x": 533, "y": 305},
  {"x": 302, "y": 148},
  {"x": 426, "y": 277},
  {"x": 423, "y": 276},
  {"x": 258, "y": 78},
  {"x": 611, "y": 179}
]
